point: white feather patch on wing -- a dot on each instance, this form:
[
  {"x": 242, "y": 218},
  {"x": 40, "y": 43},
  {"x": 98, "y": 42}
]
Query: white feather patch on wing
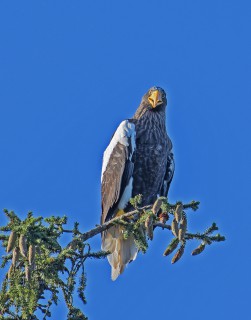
[
  {"x": 125, "y": 131},
  {"x": 126, "y": 196}
]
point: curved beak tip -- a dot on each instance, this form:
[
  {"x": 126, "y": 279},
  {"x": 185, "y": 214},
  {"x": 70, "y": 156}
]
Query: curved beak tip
[{"x": 155, "y": 98}]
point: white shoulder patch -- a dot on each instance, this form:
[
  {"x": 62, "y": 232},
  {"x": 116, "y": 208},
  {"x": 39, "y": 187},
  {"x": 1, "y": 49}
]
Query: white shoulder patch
[{"x": 125, "y": 131}]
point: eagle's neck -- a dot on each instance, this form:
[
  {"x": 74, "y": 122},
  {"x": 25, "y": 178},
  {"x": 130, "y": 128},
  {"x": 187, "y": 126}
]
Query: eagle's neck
[{"x": 151, "y": 125}]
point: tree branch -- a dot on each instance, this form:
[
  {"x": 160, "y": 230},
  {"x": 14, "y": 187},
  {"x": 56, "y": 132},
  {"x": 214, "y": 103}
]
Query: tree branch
[
  {"x": 105, "y": 226},
  {"x": 37, "y": 260}
]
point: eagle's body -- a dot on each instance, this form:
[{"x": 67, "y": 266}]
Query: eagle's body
[
  {"x": 138, "y": 160},
  {"x": 152, "y": 147}
]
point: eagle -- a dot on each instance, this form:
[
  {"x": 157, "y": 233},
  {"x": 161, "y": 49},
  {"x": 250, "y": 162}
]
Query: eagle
[{"x": 138, "y": 160}]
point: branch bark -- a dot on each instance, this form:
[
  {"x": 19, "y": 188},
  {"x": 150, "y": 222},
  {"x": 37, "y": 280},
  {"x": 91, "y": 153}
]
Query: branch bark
[{"x": 100, "y": 228}]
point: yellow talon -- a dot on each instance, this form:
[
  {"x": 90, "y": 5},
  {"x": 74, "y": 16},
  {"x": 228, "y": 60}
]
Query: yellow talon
[{"x": 120, "y": 212}]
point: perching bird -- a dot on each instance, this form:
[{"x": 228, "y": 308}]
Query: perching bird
[{"x": 138, "y": 160}]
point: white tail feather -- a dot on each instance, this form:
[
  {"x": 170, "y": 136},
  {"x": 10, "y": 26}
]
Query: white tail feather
[{"x": 122, "y": 251}]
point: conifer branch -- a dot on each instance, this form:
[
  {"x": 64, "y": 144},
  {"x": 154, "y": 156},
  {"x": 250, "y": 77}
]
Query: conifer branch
[
  {"x": 38, "y": 263},
  {"x": 101, "y": 228}
]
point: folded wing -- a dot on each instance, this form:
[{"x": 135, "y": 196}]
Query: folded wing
[{"x": 117, "y": 184}]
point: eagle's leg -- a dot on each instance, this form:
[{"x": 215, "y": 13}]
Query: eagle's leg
[{"x": 120, "y": 212}]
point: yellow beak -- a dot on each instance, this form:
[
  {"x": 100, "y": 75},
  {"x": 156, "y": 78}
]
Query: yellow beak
[{"x": 155, "y": 98}]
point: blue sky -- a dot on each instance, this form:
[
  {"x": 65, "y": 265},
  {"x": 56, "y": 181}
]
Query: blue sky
[{"x": 70, "y": 72}]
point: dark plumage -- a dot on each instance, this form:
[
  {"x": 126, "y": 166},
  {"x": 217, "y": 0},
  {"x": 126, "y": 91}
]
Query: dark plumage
[{"x": 138, "y": 160}]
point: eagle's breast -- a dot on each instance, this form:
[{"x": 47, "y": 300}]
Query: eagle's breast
[{"x": 150, "y": 157}]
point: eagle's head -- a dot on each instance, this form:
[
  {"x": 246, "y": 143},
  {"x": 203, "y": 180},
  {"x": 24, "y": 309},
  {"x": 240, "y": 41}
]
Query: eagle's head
[
  {"x": 155, "y": 97},
  {"x": 153, "y": 101}
]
